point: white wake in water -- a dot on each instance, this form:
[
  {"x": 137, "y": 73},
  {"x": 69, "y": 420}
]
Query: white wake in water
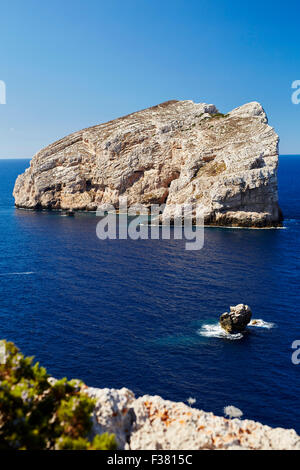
[
  {"x": 215, "y": 330},
  {"x": 17, "y": 274}
]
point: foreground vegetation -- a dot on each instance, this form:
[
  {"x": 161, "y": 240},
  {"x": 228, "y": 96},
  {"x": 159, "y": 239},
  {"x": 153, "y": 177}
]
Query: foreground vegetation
[{"x": 38, "y": 413}]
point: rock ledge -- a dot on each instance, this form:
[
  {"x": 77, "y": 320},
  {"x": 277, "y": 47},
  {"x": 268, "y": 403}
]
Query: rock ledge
[{"x": 151, "y": 423}]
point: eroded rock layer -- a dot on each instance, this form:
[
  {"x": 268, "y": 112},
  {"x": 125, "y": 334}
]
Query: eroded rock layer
[{"x": 178, "y": 152}]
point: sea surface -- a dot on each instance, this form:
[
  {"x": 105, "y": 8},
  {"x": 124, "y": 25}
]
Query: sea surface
[{"x": 143, "y": 314}]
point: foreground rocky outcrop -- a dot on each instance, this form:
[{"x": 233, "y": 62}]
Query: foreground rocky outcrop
[
  {"x": 237, "y": 319},
  {"x": 151, "y": 423},
  {"x": 178, "y": 152}
]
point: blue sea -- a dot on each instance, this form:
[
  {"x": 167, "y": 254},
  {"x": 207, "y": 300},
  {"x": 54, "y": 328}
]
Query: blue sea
[{"x": 143, "y": 314}]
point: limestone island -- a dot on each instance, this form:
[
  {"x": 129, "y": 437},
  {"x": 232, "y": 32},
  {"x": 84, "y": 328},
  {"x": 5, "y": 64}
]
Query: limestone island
[{"x": 178, "y": 152}]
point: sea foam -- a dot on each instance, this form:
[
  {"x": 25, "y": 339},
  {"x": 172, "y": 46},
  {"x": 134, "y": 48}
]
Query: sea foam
[
  {"x": 216, "y": 331},
  {"x": 27, "y": 273}
]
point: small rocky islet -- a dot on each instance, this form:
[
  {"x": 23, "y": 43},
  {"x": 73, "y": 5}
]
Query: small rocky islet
[{"x": 237, "y": 319}]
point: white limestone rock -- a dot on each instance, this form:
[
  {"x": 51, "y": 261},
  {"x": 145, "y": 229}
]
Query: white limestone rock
[
  {"x": 177, "y": 152},
  {"x": 151, "y": 423},
  {"x": 113, "y": 412},
  {"x": 162, "y": 424}
]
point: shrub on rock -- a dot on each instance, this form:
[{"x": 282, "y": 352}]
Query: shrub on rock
[{"x": 39, "y": 413}]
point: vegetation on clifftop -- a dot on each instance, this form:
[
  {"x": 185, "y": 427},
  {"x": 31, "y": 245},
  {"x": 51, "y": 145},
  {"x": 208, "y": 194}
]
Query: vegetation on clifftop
[{"x": 38, "y": 413}]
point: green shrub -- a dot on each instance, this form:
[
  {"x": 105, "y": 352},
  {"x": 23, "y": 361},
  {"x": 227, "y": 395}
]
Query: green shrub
[
  {"x": 219, "y": 115},
  {"x": 36, "y": 414}
]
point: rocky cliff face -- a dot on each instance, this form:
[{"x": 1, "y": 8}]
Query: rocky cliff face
[
  {"x": 151, "y": 423},
  {"x": 177, "y": 152}
]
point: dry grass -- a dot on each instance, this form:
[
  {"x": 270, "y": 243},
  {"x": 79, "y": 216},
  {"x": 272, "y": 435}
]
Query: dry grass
[{"x": 211, "y": 169}]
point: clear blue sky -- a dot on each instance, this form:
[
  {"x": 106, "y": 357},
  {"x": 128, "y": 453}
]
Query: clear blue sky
[{"x": 69, "y": 64}]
